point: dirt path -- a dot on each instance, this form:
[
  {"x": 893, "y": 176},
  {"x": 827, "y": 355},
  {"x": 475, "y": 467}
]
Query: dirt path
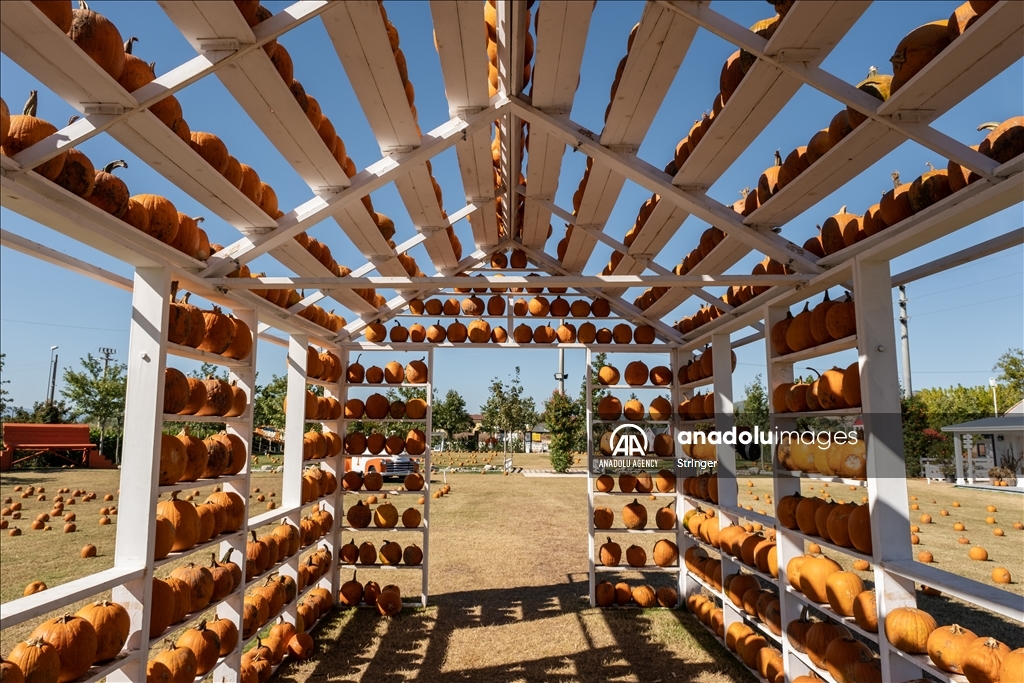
[{"x": 509, "y": 603}]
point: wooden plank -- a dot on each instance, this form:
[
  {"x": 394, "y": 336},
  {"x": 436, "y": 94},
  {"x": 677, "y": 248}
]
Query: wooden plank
[
  {"x": 561, "y": 38},
  {"x": 156, "y": 144},
  {"x": 462, "y": 48},
  {"x": 728, "y": 252},
  {"x": 302, "y": 263},
  {"x": 59, "y": 258},
  {"x": 38, "y": 46},
  {"x": 38, "y": 199},
  {"x": 759, "y": 98},
  {"x": 661, "y": 42},
  {"x": 31, "y": 606},
  {"x": 360, "y": 38}
]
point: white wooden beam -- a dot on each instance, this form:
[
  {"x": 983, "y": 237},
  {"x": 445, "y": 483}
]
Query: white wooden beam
[
  {"x": 992, "y": 44},
  {"x": 1008, "y": 240},
  {"x": 360, "y": 38},
  {"x": 661, "y": 42},
  {"x": 445, "y": 282},
  {"x": 59, "y": 258},
  {"x": 655, "y": 180},
  {"x": 369, "y": 180},
  {"x": 561, "y": 38}
]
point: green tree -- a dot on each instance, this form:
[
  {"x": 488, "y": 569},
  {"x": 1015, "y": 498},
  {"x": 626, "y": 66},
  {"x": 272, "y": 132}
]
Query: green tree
[
  {"x": 97, "y": 393},
  {"x": 42, "y": 412},
  {"x": 754, "y": 412},
  {"x": 915, "y": 443},
  {"x": 450, "y": 415},
  {"x": 506, "y": 410},
  {"x": 268, "y": 406},
  {"x": 566, "y": 422},
  {"x": 1011, "y": 373}
]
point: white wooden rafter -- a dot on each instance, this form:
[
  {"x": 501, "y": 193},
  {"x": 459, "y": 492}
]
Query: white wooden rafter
[
  {"x": 359, "y": 36},
  {"x": 661, "y": 42}
]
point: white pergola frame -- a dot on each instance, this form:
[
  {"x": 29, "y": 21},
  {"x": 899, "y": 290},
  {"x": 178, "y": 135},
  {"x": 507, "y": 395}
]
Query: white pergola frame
[{"x": 229, "y": 49}]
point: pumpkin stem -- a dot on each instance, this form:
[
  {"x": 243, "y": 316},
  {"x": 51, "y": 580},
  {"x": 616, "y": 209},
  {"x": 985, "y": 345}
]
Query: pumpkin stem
[
  {"x": 120, "y": 163},
  {"x": 199, "y": 219},
  {"x": 778, "y": 158},
  {"x": 929, "y": 165},
  {"x": 991, "y": 125},
  {"x": 32, "y": 104},
  {"x": 895, "y": 180},
  {"x": 227, "y": 556},
  {"x": 744, "y": 192},
  {"x": 872, "y": 71},
  {"x": 253, "y": 532},
  {"x": 843, "y": 210},
  {"x": 74, "y": 118},
  {"x": 128, "y": 45}
]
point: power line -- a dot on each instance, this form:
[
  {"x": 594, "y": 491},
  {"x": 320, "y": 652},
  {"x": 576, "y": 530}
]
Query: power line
[{"x": 72, "y": 327}]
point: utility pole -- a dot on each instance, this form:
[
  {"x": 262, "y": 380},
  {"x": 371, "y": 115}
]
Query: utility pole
[
  {"x": 560, "y": 375},
  {"x": 107, "y": 354},
  {"x": 53, "y": 375},
  {"x": 995, "y": 405},
  {"x": 908, "y": 389}
]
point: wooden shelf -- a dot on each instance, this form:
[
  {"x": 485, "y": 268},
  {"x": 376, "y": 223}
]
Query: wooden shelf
[
  {"x": 171, "y": 417},
  {"x": 382, "y": 567},
  {"x": 821, "y": 477},
  {"x": 622, "y": 569},
  {"x": 200, "y": 547},
  {"x": 206, "y": 356},
  {"x": 834, "y": 346},
  {"x": 201, "y": 483},
  {"x": 797, "y": 534},
  {"x": 839, "y": 412},
  {"x": 826, "y": 609}
]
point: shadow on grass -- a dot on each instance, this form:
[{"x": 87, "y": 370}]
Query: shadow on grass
[{"x": 415, "y": 645}]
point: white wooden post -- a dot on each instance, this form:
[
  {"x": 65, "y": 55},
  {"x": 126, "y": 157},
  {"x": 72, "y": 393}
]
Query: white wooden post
[
  {"x": 590, "y": 476},
  {"x": 721, "y": 349},
  {"x": 140, "y": 472},
  {"x": 887, "y": 487},
  {"x": 958, "y": 455}
]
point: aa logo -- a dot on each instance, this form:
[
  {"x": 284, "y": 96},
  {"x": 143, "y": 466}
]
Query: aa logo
[{"x": 629, "y": 441}]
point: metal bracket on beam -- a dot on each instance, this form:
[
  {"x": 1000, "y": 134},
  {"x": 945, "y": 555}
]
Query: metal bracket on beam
[
  {"x": 479, "y": 201},
  {"x": 379, "y": 259},
  {"x": 642, "y": 259},
  {"x": 430, "y": 229},
  {"x": 327, "y": 190},
  {"x": 219, "y": 45},
  {"x": 625, "y": 149},
  {"x": 467, "y": 112},
  {"x": 91, "y": 108},
  {"x": 554, "y": 110},
  {"x": 795, "y": 54},
  {"x": 397, "y": 149},
  {"x": 695, "y": 189},
  {"x": 913, "y": 115}
]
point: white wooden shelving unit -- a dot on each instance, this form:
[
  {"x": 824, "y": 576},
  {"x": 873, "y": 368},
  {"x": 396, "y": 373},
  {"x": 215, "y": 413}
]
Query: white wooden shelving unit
[
  {"x": 386, "y": 353},
  {"x": 227, "y": 48},
  {"x": 667, "y": 357}
]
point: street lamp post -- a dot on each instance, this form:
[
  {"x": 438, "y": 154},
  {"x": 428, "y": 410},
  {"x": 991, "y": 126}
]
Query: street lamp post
[
  {"x": 53, "y": 375},
  {"x": 995, "y": 404}
]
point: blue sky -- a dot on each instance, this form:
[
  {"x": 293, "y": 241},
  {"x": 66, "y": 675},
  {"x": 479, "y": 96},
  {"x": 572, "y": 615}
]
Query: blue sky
[{"x": 961, "y": 320}]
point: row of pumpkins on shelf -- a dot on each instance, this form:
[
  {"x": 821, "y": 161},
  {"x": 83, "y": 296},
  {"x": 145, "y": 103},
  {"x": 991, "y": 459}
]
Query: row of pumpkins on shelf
[
  {"x": 325, "y": 366},
  {"x": 377, "y": 407},
  {"x": 634, "y": 516},
  {"x": 951, "y": 648},
  {"x": 317, "y": 483},
  {"x": 611, "y": 408},
  {"x": 318, "y": 445},
  {"x": 665, "y": 554},
  {"x": 186, "y": 458},
  {"x": 210, "y": 331},
  {"x": 846, "y": 525},
  {"x": 210, "y": 397},
  {"x": 827, "y": 321},
  {"x": 834, "y": 389},
  {"x": 72, "y": 170},
  {"x": 375, "y": 443},
  {"x": 384, "y": 516},
  {"x": 480, "y": 332},
  {"x": 182, "y": 524},
  {"x": 848, "y": 460},
  {"x": 318, "y": 407},
  {"x": 390, "y": 554},
  {"x": 414, "y": 443},
  {"x": 538, "y": 306},
  {"x": 373, "y": 481},
  {"x": 663, "y": 481},
  {"x": 636, "y": 374},
  {"x": 607, "y": 594},
  {"x": 387, "y": 600},
  {"x": 287, "y": 298},
  {"x": 415, "y": 372},
  {"x": 265, "y": 552},
  {"x": 1003, "y": 143}
]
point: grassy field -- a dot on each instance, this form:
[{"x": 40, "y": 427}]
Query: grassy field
[{"x": 508, "y": 583}]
